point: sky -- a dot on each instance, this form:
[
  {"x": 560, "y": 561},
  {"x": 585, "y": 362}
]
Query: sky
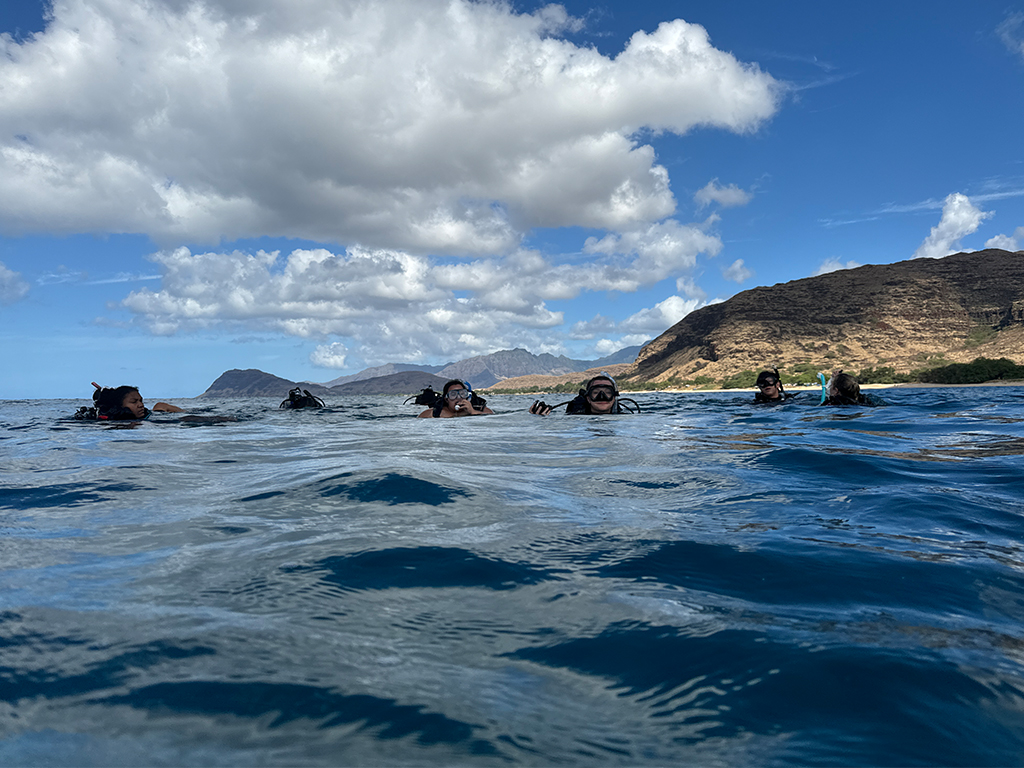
[{"x": 313, "y": 187}]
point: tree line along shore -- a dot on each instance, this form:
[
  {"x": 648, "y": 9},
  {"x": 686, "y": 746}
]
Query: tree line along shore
[{"x": 981, "y": 370}]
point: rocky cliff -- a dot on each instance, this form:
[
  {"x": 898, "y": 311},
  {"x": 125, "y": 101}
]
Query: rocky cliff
[{"x": 904, "y": 315}]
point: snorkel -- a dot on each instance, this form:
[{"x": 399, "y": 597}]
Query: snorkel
[{"x": 825, "y": 386}]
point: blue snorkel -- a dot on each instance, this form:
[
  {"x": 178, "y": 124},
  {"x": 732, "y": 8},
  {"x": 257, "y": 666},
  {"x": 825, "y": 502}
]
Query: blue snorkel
[{"x": 824, "y": 388}]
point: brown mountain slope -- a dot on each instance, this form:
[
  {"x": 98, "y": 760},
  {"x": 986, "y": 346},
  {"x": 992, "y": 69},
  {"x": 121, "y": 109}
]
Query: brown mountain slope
[
  {"x": 256, "y": 383},
  {"x": 901, "y": 315},
  {"x": 401, "y": 383},
  {"x": 540, "y": 381}
]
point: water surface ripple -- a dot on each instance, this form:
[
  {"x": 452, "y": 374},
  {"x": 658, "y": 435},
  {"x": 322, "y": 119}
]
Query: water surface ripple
[{"x": 705, "y": 583}]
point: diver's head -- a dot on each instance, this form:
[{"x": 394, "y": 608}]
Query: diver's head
[
  {"x": 133, "y": 401},
  {"x": 601, "y": 393},
  {"x": 769, "y": 384},
  {"x": 115, "y": 401},
  {"x": 456, "y": 394},
  {"x": 845, "y": 387}
]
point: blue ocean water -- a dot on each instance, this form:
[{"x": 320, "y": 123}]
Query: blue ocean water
[{"x": 705, "y": 583}]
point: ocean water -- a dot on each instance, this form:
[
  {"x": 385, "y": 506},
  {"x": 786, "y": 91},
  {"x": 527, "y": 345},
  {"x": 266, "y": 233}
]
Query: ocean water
[{"x": 704, "y": 583}]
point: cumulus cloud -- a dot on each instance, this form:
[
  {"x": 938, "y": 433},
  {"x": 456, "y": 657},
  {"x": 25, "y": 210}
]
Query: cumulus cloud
[
  {"x": 1011, "y": 32},
  {"x": 687, "y": 287},
  {"x": 1007, "y": 242},
  {"x": 737, "y": 272},
  {"x": 12, "y": 287},
  {"x": 727, "y": 197},
  {"x": 329, "y": 355},
  {"x": 428, "y": 126},
  {"x": 606, "y": 347},
  {"x": 659, "y": 250},
  {"x": 652, "y": 321},
  {"x": 960, "y": 217},
  {"x": 410, "y": 305},
  {"x": 661, "y": 316},
  {"x": 834, "y": 265}
]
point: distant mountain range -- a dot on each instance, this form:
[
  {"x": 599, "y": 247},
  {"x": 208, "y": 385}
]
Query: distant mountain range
[
  {"x": 487, "y": 370},
  {"x": 406, "y": 378},
  {"x": 401, "y": 383},
  {"x": 384, "y": 370}
]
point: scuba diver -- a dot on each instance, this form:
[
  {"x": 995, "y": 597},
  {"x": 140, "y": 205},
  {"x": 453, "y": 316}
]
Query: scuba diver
[
  {"x": 844, "y": 389},
  {"x": 120, "y": 404},
  {"x": 770, "y": 385},
  {"x": 456, "y": 399},
  {"x": 600, "y": 396},
  {"x": 301, "y": 398}
]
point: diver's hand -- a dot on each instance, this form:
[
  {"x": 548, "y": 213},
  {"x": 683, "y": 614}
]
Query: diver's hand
[
  {"x": 540, "y": 408},
  {"x": 167, "y": 407}
]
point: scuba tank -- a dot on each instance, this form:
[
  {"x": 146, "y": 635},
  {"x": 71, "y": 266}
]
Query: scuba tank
[{"x": 301, "y": 398}]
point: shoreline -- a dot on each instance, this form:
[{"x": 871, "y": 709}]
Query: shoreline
[{"x": 817, "y": 387}]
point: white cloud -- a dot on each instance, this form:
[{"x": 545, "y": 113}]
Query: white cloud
[
  {"x": 960, "y": 217},
  {"x": 834, "y": 265},
  {"x": 652, "y": 321},
  {"x": 12, "y": 287},
  {"x": 727, "y": 197},
  {"x": 60, "y": 276},
  {"x": 1007, "y": 242},
  {"x": 329, "y": 355},
  {"x": 588, "y": 329},
  {"x": 687, "y": 287},
  {"x": 660, "y": 317},
  {"x": 405, "y": 305},
  {"x": 605, "y": 347},
  {"x": 1011, "y": 32},
  {"x": 441, "y": 126},
  {"x": 737, "y": 272},
  {"x": 123, "y": 277},
  {"x": 660, "y": 250}
]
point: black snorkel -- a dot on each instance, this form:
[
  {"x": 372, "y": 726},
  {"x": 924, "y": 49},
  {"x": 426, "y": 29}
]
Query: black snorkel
[{"x": 778, "y": 378}]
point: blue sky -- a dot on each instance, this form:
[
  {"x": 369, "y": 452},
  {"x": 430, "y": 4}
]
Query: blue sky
[{"x": 313, "y": 188}]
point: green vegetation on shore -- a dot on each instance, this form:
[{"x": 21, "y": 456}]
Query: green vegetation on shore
[{"x": 979, "y": 371}]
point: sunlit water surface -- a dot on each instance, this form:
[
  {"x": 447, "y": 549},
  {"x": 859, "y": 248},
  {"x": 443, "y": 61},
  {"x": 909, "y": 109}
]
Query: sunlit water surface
[{"x": 707, "y": 583}]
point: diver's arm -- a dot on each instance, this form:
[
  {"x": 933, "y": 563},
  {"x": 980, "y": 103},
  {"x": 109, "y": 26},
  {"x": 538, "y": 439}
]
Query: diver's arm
[
  {"x": 540, "y": 408},
  {"x": 167, "y": 408}
]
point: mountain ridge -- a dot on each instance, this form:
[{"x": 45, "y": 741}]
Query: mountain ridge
[
  {"x": 904, "y": 315},
  {"x": 253, "y": 382}
]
